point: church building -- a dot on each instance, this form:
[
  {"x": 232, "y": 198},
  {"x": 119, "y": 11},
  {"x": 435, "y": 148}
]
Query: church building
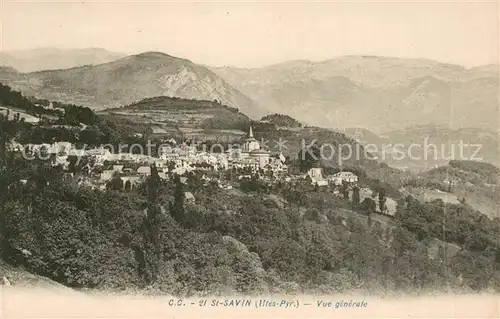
[{"x": 250, "y": 150}]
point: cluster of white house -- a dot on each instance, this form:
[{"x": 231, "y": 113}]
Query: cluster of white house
[
  {"x": 178, "y": 159},
  {"x": 317, "y": 178}
]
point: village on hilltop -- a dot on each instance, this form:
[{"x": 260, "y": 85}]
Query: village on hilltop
[{"x": 102, "y": 166}]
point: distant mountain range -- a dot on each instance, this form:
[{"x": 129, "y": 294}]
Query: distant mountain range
[
  {"x": 51, "y": 58},
  {"x": 443, "y": 144},
  {"x": 380, "y": 94},
  {"x": 128, "y": 80}
]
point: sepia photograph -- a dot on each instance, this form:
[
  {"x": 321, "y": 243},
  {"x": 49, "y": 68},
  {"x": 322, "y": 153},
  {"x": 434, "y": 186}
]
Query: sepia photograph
[{"x": 262, "y": 159}]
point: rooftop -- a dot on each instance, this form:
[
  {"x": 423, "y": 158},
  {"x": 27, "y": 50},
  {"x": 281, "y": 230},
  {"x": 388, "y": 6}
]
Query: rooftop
[{"x": 259, "y": 151}]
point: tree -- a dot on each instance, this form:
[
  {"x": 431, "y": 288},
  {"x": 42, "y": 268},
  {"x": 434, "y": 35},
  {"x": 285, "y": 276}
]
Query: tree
[
  {"x": 170, "y": 166},
  {"x": 308, "y": 158},
  {"x": 382, "y": 200},
  {"x": 128, "y": 186},
  {"x": 177, "y": 205},
  {"x": 368, "y": 205},
  {"x": 314, "y": 215},
  {"x": 355, "y": 195},
  {"x": 116, "y": 183},
  {"x": 151, "y": 225},
  {"x": 345, "y": 190}
]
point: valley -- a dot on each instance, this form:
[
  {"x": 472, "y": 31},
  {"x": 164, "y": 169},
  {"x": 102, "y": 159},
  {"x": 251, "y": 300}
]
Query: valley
[
  {"x": 423, "y": 147},
  {"x": 377, "y": 93}
]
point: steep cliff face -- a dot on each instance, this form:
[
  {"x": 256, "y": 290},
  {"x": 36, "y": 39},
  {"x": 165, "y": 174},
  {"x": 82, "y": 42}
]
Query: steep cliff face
[{"x": 129, "y": 80}]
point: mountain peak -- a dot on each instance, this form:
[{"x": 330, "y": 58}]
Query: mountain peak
[
  {"x": 131, "y": 79},
  {"x": 153, "y": 54},
  {"x": 157, "y": 56}
]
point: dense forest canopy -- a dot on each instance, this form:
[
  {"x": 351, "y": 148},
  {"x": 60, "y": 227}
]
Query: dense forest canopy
[
  {"x": 281, "y": 120},
  {"x": 234, "y": 243},
  {"x": 481, "y": 168}
]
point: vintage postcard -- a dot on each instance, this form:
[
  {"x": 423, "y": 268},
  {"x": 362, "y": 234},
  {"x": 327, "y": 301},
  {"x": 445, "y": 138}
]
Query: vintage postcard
[{"x": 265, "y": 159}]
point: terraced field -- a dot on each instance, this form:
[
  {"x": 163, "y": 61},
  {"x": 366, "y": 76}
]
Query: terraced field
[
  {"x": 12, "y": 111},
  {"x": 165, "y": 116}
]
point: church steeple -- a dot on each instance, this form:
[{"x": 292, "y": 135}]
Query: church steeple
[{"x": 250, "y": 142}]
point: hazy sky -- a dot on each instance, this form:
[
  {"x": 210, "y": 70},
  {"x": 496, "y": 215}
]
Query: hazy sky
[{"x": 260, "y": 33}]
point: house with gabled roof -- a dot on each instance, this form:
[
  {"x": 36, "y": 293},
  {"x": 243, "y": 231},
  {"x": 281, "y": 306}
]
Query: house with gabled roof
[
  {"x": 144, "y": 170},
  {"x": 341, "y": 177},
  {"x": 316, "y": 176}
]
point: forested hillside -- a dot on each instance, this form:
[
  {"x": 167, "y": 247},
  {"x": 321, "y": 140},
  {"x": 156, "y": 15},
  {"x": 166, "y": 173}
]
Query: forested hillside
[
  {"x": 252, "y": 239},
  {"x": 232, "y": 242},
  {"x": 188, "y": 118},
  {"x": 475, "y": 183},
  {"x": 281, "y": 120}
]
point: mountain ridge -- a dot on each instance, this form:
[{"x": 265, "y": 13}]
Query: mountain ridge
[
  {"x": 48, "y": 58},
  {"x": 378, "y": 93},
  {"x": 308, "y": 61},
  {"x": 130, "y": 79}
]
